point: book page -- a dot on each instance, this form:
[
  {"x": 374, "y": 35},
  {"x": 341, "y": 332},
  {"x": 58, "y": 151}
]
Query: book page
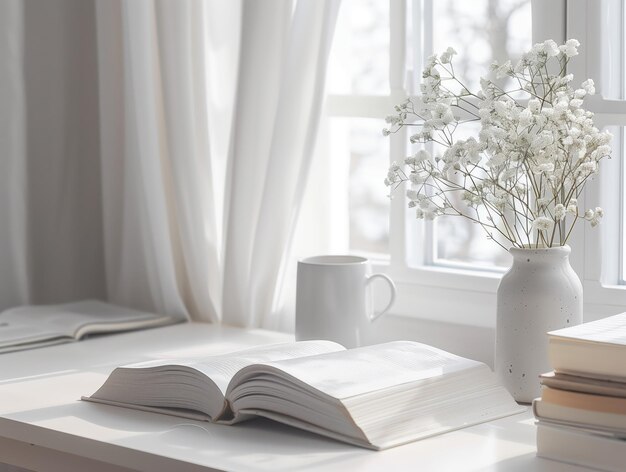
[
  {"x": 197, "y": 384},
  {"x": 576, "y": 383},
  {"x": 354, "y": 372},
  {"x": 16, "y": 334},
  {"x": 610, "y": 330},
  {"x": 584, "y": 401},
  {"x": 44, "y": 342},
  {"x": 69, "y": 319},
  {"x": 221, "y": 369}
]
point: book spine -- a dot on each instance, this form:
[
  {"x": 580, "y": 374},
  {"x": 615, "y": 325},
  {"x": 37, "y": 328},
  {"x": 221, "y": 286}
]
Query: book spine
[{"x": 584, "y": 449}]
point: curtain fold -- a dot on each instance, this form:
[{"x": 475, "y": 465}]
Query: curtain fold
[
  {"x": 140, "y": 249},
  {"x": 161, "y": 227},
  {"x": 189, "y": 166},
  {"x": 177, "y": 240},
  {"x": 276, "y": 121},
  {"x": 264, "y": 42}
]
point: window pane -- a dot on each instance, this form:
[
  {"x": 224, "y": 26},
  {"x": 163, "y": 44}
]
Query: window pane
[
  {"x": 459, "y": 240},
  {"x": 609, "y": 55},
  {"x": 358, "y": 144},
  {"x": 481, "y": 32},
  {"x": 359, "y": 59}
]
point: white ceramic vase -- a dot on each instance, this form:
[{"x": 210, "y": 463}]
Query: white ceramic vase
[{"x": 540, "y": 292}]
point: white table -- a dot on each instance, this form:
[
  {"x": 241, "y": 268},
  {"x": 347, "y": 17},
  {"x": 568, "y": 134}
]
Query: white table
[{"x": 44, "y": 426}]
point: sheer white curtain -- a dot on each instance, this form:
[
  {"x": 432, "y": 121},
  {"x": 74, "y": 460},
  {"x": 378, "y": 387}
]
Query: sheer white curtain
[
  {"x": 159, "y": 227},
  {"x": 279, "y": 94},
  {"x": 153, "y": 152},
  {"x": 203, "y": 166}
]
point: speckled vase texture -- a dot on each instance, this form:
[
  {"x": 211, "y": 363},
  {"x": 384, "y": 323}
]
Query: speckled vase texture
[{"x": 540, "y": 293}]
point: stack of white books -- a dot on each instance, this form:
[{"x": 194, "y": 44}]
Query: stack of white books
[{"x": 582, "y": 409}]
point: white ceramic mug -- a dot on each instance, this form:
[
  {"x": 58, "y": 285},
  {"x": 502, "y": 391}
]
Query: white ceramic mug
[{"x": 333, "y": 301}]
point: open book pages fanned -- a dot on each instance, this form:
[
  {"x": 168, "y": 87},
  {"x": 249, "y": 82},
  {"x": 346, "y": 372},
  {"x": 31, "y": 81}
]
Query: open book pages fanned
[
  {"x": 27, "y": 327},
  {"x": 375, "y": 397}
]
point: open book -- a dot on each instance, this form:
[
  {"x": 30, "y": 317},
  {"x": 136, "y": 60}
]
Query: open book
[
  {"x": 27, "y": 327},
  {"x": 375, "y": 397}
]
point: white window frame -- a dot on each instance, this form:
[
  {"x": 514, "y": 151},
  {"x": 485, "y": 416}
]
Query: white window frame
[
  {"x": 468, "y": 296},
  {"x": 599, "y": 259}
]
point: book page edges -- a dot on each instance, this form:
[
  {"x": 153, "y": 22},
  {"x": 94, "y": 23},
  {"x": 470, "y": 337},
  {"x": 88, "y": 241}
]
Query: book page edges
[
  {"x": 179, "y": 412},
  {"x": 591, "y": 427},
  {"x": 514, "y": 411},
  {"x": 22, "y": 346},
  {"x": 303, "y": 425},
  {"x": 585, "y": 401},
  {"x": 102, "y": 327},
  {"x": 577, "y": 340},
  {"x": 610, "y": 330},
  {"x": 580, "y": 448},
  {"x": 588, "y": 359},
  {"x": 595, "y": 386}
]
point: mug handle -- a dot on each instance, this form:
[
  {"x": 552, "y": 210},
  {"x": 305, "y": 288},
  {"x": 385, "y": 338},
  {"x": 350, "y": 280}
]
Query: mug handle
[{"x": 392, "y": 287}]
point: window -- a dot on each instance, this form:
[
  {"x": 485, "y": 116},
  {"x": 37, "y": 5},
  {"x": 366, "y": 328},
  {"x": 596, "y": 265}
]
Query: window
[
  {"x": 481, "y": 32},
  {"x": 375, "y": 63},
  {"x": 447, "y": 269},
  {"x": 600, "y": 26},
  {"x": 359, "y": 68}
]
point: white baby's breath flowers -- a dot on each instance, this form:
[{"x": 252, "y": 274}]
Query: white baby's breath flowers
[
  {"x": 543, "y": 223},
  {"x": 520, "y": 177},
  {"x": 551, "y": 48},
  {"x": 570, "y": 48},
  {"x": 594, "y": 216},
  {"x": 572, "y": 207},
  {"x": 446, "y": 57}
]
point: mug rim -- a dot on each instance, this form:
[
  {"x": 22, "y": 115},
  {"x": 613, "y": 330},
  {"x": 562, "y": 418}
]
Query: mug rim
[{"x": 334, "y": 259}]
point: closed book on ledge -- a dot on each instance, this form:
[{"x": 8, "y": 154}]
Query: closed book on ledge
[
  {"x": 596, "y": 349},
  {"x": 375, "y": 397}
]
